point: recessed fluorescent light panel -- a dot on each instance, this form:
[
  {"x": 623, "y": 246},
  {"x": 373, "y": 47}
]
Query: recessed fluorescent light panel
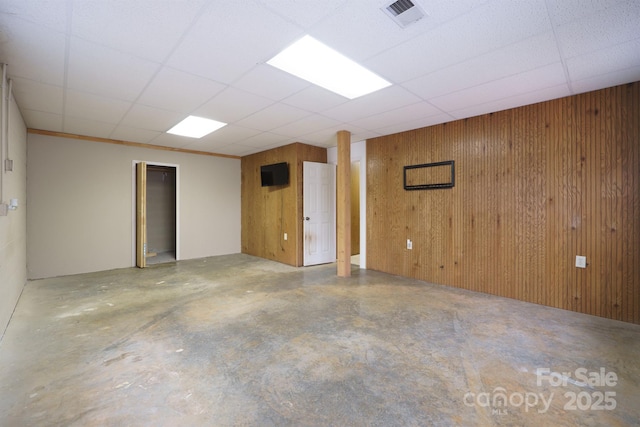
[
  {"x": 195, "y": 127},
  {"x": 319, "y": 64}
]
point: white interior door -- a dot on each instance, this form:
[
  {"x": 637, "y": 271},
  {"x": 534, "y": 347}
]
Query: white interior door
[{"x": 319, "y": 207}]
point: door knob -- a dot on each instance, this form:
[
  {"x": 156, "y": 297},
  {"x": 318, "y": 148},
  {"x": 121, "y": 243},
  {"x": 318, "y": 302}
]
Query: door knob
[{"x": 306, "y": 218}]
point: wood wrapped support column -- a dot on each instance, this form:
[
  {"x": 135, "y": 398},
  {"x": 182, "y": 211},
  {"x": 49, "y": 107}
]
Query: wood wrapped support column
[{"x": 343, "y": 195}]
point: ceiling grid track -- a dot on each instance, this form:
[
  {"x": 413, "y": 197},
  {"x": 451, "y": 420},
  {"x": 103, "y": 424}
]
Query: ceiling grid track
[{"x": 563, "y": 61}]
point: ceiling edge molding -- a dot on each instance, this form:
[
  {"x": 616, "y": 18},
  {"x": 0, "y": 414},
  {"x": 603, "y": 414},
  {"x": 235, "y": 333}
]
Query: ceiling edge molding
[{"x": 127, "y": 143}]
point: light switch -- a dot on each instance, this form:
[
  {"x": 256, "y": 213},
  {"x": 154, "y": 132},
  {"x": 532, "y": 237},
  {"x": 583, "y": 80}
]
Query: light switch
[{"x": 581, "y": 261}]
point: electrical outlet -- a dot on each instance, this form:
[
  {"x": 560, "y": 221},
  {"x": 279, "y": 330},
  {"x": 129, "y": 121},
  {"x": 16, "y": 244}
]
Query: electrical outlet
[
  {"x": 409, "y": 244},
  {"x": 285, "y": 236},
  {"x": 581, "y": 261}
]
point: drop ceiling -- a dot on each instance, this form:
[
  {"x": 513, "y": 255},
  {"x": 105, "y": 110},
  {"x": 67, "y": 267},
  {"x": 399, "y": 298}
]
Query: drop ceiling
[{"x": 131, "y": 69}]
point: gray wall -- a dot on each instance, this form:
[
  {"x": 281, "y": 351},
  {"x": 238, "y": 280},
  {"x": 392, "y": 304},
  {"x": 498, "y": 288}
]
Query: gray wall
[
  {"x": 81, "y": 201},
  {"x": 13, "y": 227}
]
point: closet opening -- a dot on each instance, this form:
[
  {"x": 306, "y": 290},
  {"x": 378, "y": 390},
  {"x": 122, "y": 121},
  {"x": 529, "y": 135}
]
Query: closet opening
[
  {"x": 156, "y": 214},
  {"x": 161, "y": 214}
]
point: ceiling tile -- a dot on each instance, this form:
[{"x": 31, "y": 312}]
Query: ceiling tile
[
  {"x": 143, "y": 117},
  {"x": 230, "y": 38},
  {"x": 33, "y": 52},
  {"x": 32, "y": 95},
  {"x": 87, "y": 127},
  {"x": 205, "y": 145},
  {"x": 126, "y": 133},
  {"x": 442, "y": 11},
  {"x": 169, "y": 140},
  {"x": 269, "y": 82},
  {"x": 233, "y": 149},
  {"x": 228, "y": 135},
  {"x": 145, "y": 28},
  {"x": 527, "y": 98},
  {"x": 328, "y": 137},
  {"x": 606, "y": 80},
  {"x": 221, "y": 147},
  {"x": 232, "y": 104},
  {"x": 358, "y": 17},
  {"x": 409, "y": 113},
  {"x": 236, "y": 150},
  {"x": 178, "y": 91},
  {"x": 363, "y": 135},
  {"x": 489, "y": 27},
  {"x": 502, "y": 22},
  {"x": 107, "y": 72},
  {"x": 43, "y": 121},
  {"x": 303, "y": 13},
  {"x": 564, "y": 11},
  {"x": 611, "y": 26},
  {"x": 415, "y": 124},
  {"x": 314, "y": 98},
  {"x": 272, "y": 117},
  {"x": 87, "y": 106},
  {"x": 624, "y": 56},
  {"x": 528, "y": 54},
  {"x": 538, "y": 79},
  {"x": 375, "y": 103},
  {"x": 324, "y": 138},
  {"x": 52, "y": 15},
  {"x": 265, "y": 139},
  {"x": 306, "y": 125}
]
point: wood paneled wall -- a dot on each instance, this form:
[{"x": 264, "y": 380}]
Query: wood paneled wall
[
  {"x": 269, "y": 212},
  {"x": 535, "y": 186}
]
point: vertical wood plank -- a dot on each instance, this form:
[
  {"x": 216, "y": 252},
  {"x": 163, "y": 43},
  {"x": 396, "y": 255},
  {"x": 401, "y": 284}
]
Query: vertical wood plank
[
  {"x": 141, "y": 214},
  {"x": 343, "y": 194}
]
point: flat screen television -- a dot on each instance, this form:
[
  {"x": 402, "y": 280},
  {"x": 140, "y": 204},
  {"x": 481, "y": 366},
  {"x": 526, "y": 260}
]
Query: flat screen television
[{"x": 275, "y": 174}]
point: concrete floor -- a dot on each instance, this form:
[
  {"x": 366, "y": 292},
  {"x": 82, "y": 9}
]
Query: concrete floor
[
  {"x": 237, "y": 340},
  {"x": 161, "y": 258}
]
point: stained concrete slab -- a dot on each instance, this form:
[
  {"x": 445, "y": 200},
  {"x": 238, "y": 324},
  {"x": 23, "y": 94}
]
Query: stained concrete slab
[{"x": 238, "y": 340}]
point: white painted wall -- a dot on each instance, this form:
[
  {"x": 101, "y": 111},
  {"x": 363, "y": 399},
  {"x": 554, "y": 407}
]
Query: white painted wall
[
  {"x": 13, "y": 227},
  {"x": 358, "y": 153},
  {"x": 81, "y": 203}
]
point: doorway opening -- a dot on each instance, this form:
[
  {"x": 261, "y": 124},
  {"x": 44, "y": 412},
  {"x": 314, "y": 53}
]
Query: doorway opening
[
  {"x": 156, "y": 214},
  {"x": 161, "y": 214}
]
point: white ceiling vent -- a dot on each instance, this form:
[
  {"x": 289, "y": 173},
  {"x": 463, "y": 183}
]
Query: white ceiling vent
[{"x": 404, "y": 12}]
